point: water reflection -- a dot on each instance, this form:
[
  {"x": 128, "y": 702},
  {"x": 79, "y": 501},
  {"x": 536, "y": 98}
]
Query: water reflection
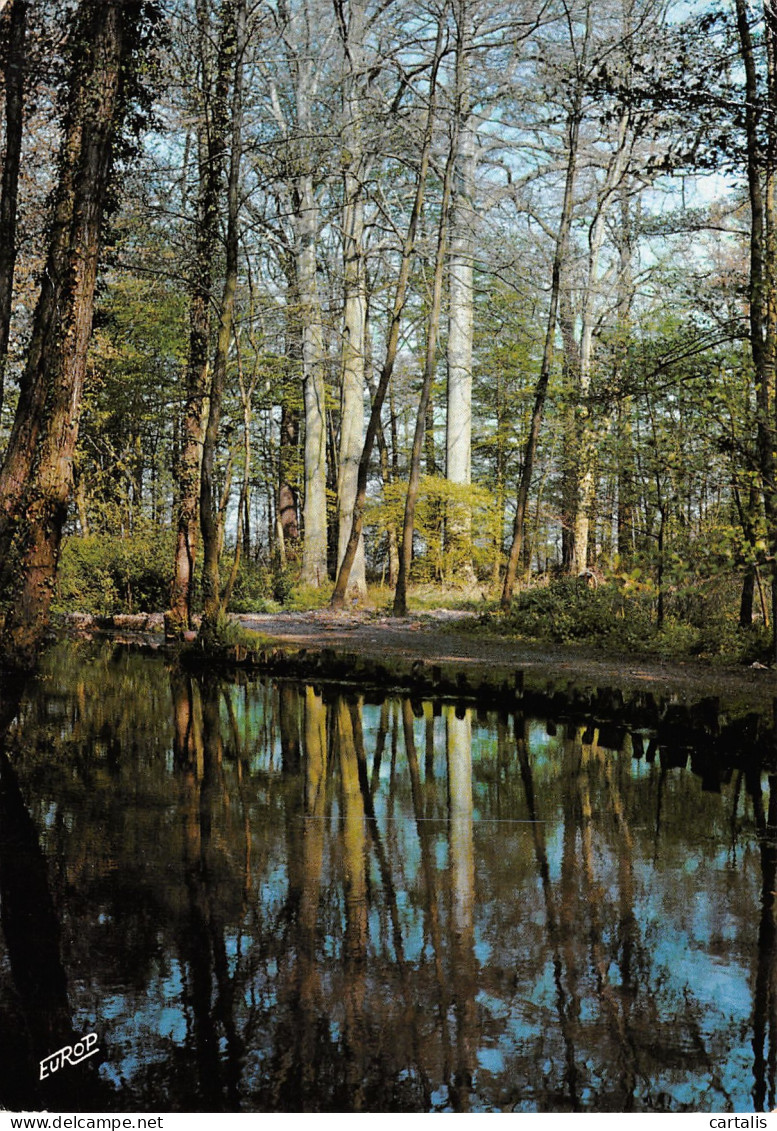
[{"x": 275, "y": 897}]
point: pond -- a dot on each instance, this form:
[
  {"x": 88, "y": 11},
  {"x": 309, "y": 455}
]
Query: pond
[{"x": 277, "y": 897}]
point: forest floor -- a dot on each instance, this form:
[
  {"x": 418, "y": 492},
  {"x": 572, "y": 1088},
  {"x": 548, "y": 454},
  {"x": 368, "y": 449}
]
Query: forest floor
[{"x": 456, "y": 640}]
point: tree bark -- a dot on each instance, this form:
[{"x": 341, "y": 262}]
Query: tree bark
[
  {"x": 14, "y": 114},
  {"x": 314, "y": 552},
  {"x": 36, "y": 475},
  {"x": 586, "y": 433},
  {"x": 211, "y": 150},
  {"x": 541, "y": 389},
  {"x": 355, "y": 291},
  {"x": 338, "y": 595},
  {"x": 287, "y": 508},
  {"x": 458, "y": 426},
  {"x": 212, "y": 524},
  {"x": 762, "y": 286},
  {"x": 625, "y": 458},
  {"x": 406, "y": 545},
  {"x": 243, "y": 533}
]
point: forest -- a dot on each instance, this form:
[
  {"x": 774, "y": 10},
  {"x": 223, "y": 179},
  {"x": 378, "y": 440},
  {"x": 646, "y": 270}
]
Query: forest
[{"x": 369, "y": 303}]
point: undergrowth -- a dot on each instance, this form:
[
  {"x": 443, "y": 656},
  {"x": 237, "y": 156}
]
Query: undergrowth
[{"x": 613, "y": 617}]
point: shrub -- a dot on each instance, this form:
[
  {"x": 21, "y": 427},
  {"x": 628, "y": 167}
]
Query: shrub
[
  {"x": 304, "y": 597},
  {"x": 283, "y": 578},
  {"x": 228, "y": 633},
  {"x": 105, "y": 574},
  {"x": 621, "y": 615},
  {"x": 254, "y": 590},
  {"x": 567, "y": 610}
]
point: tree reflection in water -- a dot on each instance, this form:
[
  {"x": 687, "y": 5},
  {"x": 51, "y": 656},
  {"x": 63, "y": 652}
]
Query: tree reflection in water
[{"x": 270, "y": 897}]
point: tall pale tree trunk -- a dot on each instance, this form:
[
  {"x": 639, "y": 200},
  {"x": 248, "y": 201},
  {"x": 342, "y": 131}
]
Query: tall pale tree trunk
[
  {"x": 37, "y": 471},
  {"x": 355, "y": 293},
  {"x": 392, "y": 345},
  {"x": 625, "y": 458},
  {"x": 305, "y": 223},
  {"x": 587, "y": 431},
  {"x": 570, "y": 381},
  {"x": 314, "y": 556},
  {"x": 433, "y": 326},
  {"x": 352, "y": 397},
  {"x": 458, "y": 427},
  {"x": 292, "y": 110}
]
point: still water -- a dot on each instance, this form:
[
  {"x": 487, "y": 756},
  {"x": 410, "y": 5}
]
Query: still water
[{"x": 269, "y": 897}]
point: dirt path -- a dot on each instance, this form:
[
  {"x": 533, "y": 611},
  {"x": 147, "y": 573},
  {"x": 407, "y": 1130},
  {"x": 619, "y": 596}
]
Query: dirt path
[{"x": 438, "y": 637}]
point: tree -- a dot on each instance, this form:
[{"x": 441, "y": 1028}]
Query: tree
[
  {"x": 16, "y": 15},
  {"x": 36, "y": 475},
  {"x": 233, "y": 17},
  {"x": 433, "y": 322},
  {"x": 541, "y": 389},
  {"x": 294, "y": 78},
  {"x": 351, "y": 25},
  {"x": 458, "y": 417},
  {"x": 761, "y": 173},
  {"x": 211, "y": 141},
  {"x": 408, "y": 247}
]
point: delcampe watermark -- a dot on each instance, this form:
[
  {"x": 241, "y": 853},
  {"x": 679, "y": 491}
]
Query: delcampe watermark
[{"x": 69, "y": 1054}]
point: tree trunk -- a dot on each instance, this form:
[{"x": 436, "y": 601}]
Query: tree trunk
[
  {"x": 230, "y": 49},
  {"x": 242, "y": 534},
  {"x": 626, "y": 510},
  {"x": 747, "y": 519},
  {"x": 762, "y": 275},
  {"x": 587, "y": 433},
  {"x": 211, "y": 150},
  {"x": 14, "y": 106},
  {"x": 541, "y": 390},
  {"x": 314, "y": 556},
  {"x": 570, "y": 368},
  {"x": 406, "y": 545},
  {"x": 287, "y": 508},
  {"x": 625, "y": 458},
  {"x": 37, "y": 471},
  {"x": 338, "y": 595},
  {"x": 458, "y": 423},
  {"x": 355, "y": 294},
  {"x": 352, "y": 399}
]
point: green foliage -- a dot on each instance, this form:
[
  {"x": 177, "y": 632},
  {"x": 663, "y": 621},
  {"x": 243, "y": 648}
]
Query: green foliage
[
  {"x": 620, "y": 615},
  {"x": 137, "y": 352},
  {"x": 436, "y": 558},
  {"x": 283, "y": 578},
  {"x": 230, "y": 633},
  {"x": 254, "y": 590},
  {"x": 303, "y": 597},
  {"x": 107, "y": 574},
  {"x": 263, "y": 589},
  {"x": 568, "y": 610}
]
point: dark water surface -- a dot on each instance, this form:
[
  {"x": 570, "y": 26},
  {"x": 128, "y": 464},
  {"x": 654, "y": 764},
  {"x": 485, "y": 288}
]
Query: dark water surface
[{"x": 265, "y": 897}]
